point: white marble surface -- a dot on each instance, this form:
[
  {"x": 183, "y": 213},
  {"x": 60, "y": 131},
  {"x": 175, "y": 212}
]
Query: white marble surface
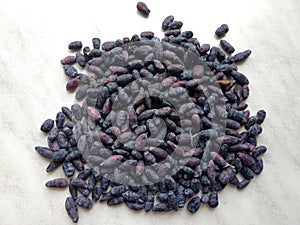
[{"x": 34, "y": 36}]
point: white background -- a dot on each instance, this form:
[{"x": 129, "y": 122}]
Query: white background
[{"x": 34, "y": 37}]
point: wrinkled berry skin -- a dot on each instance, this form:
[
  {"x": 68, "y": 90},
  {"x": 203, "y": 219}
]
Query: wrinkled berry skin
[
  {"x": 72, "y": 209},
  {"x": 68, "y": 169},
  {"x": 204, "y": 48},
  {"x": 45, "y": 152},
  {"x": 60, "y": 120},
  {"x": 166, "y": 22},
  {"x": 143, "y": 8},
  {"x": 52, "y": 166},
  {"x": 96, "y": 43},
  {"x": 84, "y": 202},
  {"x": 108, "y": 45},
  {"x": 172, "y": 200},
  {"x": 80, "y": 59},
  {"x": 175, "y": 25},
  {"x": 213, "y": 201},
  {"x": 241, "y": 56},
  {"x": 47, "y": 125},
  {"x": 259, "y": 150},
  {"x": 147, "y": 34},
  {"x": 261, "y": 115},
  {"x": 255, "y": 130},
  {"x": 59, "y": 156},
  {"x": 75, "y": 45},
  {"x": 57, "y": 183},
  {"x": 70, "y": 71},
  {"x": 227, "y": 47},
  {"x": 149, "y": 203},
  {"x": 161, "y": 207},
  {"x": 226, "y": 175},
  {"x": 73, "y": 84},
  {"x": 79, "y": 183},
  {"x": 135, "y": 206},
  {"x": 222, "y": 30},
  {"x": 244, "y": 183},
  {"x": 240, "y": 78},
  {"x": 115, "y": 201},
  {"x": 68, "y": 60},
  {"x": 194, "y": 204},
  {"x": 247, "y": 173},
  {"x": 246, "y": 159}
]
